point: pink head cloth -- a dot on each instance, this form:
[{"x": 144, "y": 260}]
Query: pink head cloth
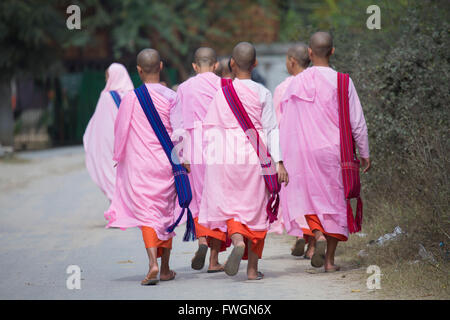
[{"x": 118, "y": 79}]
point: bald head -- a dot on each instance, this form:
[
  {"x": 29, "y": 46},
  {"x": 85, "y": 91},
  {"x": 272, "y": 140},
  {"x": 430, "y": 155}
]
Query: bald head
[
  {"x": 244, "y": 54},
  {"x": 321, "y": 44},
  {"x": 223, "y": 69},
  {"x": 149, "y": 61},
  {"x": 299, "y": 52},
  {"x": 205, "y": 57}
]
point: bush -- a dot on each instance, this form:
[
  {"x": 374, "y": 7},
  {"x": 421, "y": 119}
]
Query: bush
[{"x": 405, "y": 95}]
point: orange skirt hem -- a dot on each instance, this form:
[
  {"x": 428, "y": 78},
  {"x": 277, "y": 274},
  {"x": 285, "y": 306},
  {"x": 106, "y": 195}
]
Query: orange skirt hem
[
  {"x": 202, "y": 231},
  {"x": 151, "y": 240},
  {"x": 256, "y": 237},
  {"x": 315, "y": 224}
]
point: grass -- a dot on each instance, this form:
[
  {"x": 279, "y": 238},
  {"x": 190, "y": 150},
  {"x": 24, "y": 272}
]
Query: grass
[{"x": 405, "y": 273}]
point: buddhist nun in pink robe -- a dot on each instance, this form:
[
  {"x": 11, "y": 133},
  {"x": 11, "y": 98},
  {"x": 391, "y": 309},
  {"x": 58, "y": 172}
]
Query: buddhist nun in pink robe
[
  {"x": 309, "y": 134},
  {"x": 234, "y": 195},
  {"x": 193, "y": 98},
  {"x": 145, "y": 192},
  {"x": 233, "y": 190},
  {"x": 98, "y": 139},
  {"x": 297, "y": 60}
]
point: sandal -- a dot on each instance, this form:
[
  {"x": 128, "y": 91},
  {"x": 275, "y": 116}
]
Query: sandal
[
  {"x": 198, "y": 262},
  {"x": 232, "y": 265},
  {"x": 259, "y": 276},
  {"x": 150, "y": 281},
  {"x": 299, "y": 248},
  {"x": 318, "y": 258}
]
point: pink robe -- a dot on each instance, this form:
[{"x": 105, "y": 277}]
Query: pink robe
[
  {"x": 280, "y": 225},
  {"x": 232, "y": 189},
  {"x": 193, "y": 98},
  {"x": 98, "y": 139},
  {"x": 309, "y": 135},
  {"x": 278, "y": 94},
  {"x": 145, "y": 191},
  {"x": 277, "y": 226}
]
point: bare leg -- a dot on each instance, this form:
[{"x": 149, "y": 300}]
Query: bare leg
[
  {"x": 252, "y": 266},
  {"x": 214, "y": 264},
  {"x": 311, "y": 246},
  {"x": 166, "y": 273},
  {"x": 202, "y": 240},
  {"x": 153, "y": 263},
  {"x": 238, "y": 240},
  {"x": 329, "y": 256},
  {"x": 318, "y": 235}
]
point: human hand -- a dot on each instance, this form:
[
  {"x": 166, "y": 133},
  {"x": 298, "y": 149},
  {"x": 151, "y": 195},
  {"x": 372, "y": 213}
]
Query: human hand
[
  {"x": 283, "y": 175},
  {"x": 187, "y": 166},
  {"x": 365, "y": 163}
]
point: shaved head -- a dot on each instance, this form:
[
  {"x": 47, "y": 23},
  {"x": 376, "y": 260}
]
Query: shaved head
[
  {"x": 321, "y": 44},
  {"x": 223, "y": 69},
  {"x": 205, "y": 57},
  {"x": 299, "y": 52},
  {"x": 149, "y": 61},
  {"x": 244, "y": 54}
]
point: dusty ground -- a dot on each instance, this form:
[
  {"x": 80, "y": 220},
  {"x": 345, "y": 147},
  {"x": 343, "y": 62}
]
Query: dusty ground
[{"x": 51, "y": 216}]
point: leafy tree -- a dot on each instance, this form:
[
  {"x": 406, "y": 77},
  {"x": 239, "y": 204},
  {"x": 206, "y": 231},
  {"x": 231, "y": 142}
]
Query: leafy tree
[
  {"x": 176, "y": 27},
  {"x": 32, "y": 36}
]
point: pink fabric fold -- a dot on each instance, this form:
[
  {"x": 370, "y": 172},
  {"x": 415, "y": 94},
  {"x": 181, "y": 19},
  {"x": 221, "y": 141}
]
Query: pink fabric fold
[
  {"x": 295, "y": 227},
  {"x": 278, "y": 95},
  {"x": 98, "y": 139}
]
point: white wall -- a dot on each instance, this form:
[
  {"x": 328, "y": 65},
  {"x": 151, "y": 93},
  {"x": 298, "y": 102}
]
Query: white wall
[{"x": 272, "y": 63}]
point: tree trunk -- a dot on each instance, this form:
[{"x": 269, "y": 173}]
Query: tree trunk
[{"x": 6, "y": 114}]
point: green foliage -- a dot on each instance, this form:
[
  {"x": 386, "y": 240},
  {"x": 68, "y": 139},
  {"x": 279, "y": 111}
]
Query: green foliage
[
  {"x": 175, "y": 28},
  {"x": 407, "y": 109},
  {"x": 401, "y": 73},
  {"x": 31, "y": 35}
]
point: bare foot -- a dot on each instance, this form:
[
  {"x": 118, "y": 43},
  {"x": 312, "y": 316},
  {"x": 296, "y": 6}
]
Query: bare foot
[
  {"x": 251, "y": 275},
  {"x": 216, "y": 267},
  {"x": 332, "y": 268},
  {"x": 168, "y": 276},
  {"x": 309, "y": 252},
  {"x": 151, "y": 277}
]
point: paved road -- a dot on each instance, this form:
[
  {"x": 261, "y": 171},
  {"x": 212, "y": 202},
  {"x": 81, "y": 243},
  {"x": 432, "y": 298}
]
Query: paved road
[{"x": 51, "y": 216}]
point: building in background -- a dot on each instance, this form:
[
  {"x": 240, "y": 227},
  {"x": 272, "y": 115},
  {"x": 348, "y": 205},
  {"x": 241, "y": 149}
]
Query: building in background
[{"x": 272, "y": 63}]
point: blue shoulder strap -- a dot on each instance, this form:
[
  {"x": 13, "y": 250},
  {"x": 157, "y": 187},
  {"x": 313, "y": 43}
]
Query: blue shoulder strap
[
  {"x": 116, "y": 97},
  {"x": 182, "y": 184}
]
